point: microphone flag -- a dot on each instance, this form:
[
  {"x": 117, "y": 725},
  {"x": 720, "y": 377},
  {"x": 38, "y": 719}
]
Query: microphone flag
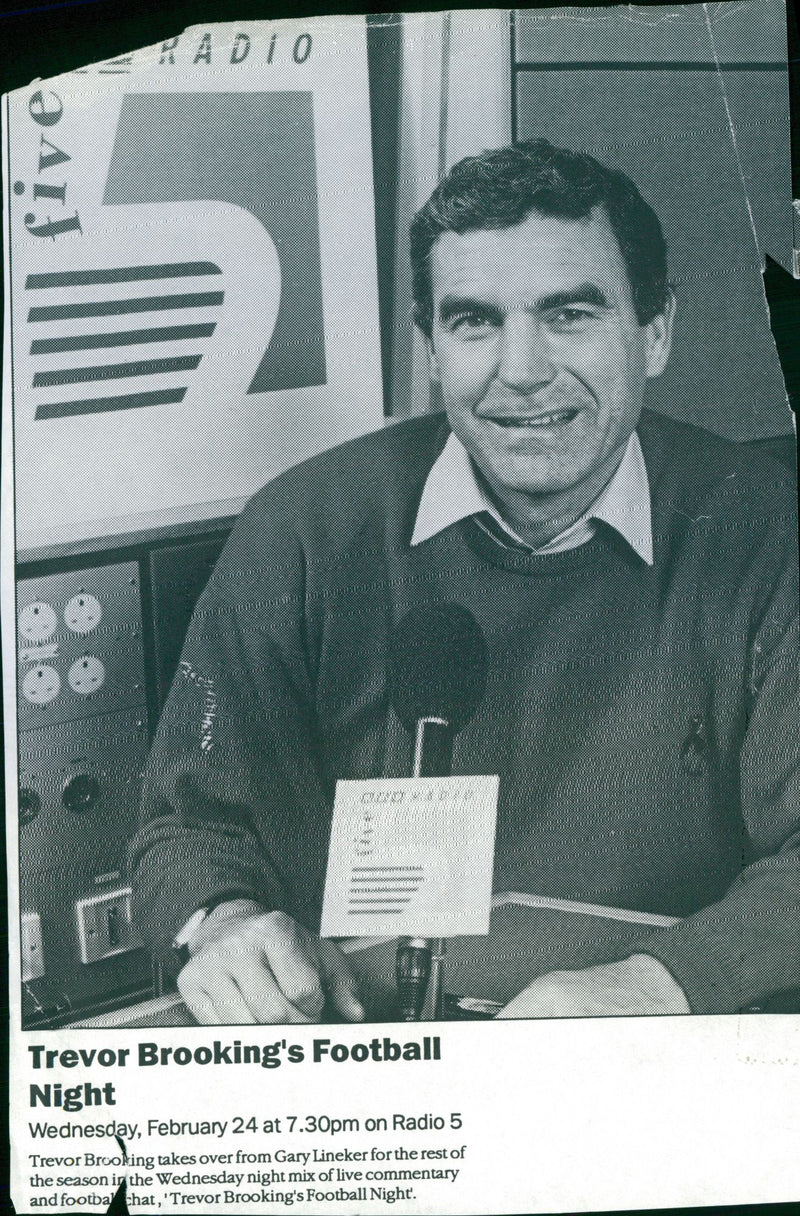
[
  {"x": 411, "y": 856},
  {"x": 414, "y": 856}
]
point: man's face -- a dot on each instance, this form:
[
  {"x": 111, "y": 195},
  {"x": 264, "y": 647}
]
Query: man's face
[{"x": 541, "y": 358}]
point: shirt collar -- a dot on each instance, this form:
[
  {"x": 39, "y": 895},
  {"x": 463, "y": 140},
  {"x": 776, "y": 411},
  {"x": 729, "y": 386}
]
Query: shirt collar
[{"x": 452, "y": 492}]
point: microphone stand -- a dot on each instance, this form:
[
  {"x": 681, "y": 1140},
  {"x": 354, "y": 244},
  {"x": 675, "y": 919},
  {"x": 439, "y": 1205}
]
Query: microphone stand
[{"x": 419, "y": 959}]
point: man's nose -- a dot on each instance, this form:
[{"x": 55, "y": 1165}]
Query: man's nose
[{"x": 525, "y": 356}]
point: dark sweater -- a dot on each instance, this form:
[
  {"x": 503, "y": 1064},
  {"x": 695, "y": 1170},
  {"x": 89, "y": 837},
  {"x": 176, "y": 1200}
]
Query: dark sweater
[{"x": 643, "y": 720}]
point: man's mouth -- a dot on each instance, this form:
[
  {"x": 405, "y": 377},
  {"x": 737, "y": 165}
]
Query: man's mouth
[{"x": 557, "y": 418}]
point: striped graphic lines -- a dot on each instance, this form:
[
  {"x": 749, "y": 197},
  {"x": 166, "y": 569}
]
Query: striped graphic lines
[
  {"x": 125, "y": 337},
  {"x": 374, "y": 890},
  {"x": 119, "y": 274},
  {"x": 78, "y": 309},
  {"x": 111, "y": 67},
  {"x": 117, "y": 371},
  {"x": 118, "y": 308},
  {"x": 103, "y": 405}
]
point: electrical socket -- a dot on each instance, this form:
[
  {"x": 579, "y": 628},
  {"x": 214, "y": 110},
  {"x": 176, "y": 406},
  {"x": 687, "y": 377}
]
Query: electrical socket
[
  {"x": 41, "y": 684},
  {"x": 31, "y": 946},
  {"x": 105, "y": 925},
  {"x": 86, "y": 675}
]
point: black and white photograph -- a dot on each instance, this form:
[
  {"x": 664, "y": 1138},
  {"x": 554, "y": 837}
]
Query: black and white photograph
[{"x": 400, "y": 605}]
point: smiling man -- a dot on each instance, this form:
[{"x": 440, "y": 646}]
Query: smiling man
[
  {"x": 542, "y": 360},
  {"x": 634, "y": 578}
]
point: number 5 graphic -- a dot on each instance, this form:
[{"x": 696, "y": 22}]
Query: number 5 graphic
[{"x": 256, "y": 151}]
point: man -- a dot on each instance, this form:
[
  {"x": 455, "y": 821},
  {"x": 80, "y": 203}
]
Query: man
[{"x": 635, "y": 580}]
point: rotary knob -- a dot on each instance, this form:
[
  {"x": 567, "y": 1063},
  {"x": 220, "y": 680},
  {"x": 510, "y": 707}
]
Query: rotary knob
[
  {"x": 81, "y": 792},
  {"x": 29, "y": 805}
]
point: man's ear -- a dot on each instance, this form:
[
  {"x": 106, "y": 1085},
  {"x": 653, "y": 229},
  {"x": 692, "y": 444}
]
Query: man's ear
[{"x": 659, "y": 338}]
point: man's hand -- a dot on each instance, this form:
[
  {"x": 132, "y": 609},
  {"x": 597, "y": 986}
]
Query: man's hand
[
  {"x": 637, "y": 985},
  {"x": 251, "y": 966}
]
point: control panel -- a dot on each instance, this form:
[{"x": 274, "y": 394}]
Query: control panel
[{"x": 83, "y": 742}]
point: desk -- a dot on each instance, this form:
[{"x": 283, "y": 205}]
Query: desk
[{"x": 529, "y": 936}]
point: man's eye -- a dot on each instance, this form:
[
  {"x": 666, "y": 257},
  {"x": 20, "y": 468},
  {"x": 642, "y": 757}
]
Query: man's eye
[
  {"x": 567, "y": 320},
  {"x": 471, "y": 323}
]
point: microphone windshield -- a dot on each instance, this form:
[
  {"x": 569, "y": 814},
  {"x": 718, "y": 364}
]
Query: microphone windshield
[{"x": 438, "y": 665}]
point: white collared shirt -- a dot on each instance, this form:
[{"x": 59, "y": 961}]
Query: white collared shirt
[{"x": 452, "y": 492}]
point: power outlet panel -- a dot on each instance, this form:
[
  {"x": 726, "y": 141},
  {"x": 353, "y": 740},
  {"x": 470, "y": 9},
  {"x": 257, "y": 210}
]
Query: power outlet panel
[
  {"x": 105, "y": 925},
  {"x": 31, "y": 947},
  {"x": 80, "y": 645}
]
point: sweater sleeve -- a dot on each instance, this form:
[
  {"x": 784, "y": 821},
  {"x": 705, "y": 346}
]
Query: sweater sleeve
[
  {"x": 746, "y": 948},
  {"x": 231, "y": 795}
]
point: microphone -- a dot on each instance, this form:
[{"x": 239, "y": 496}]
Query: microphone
[{"x": 437, "y": 678}]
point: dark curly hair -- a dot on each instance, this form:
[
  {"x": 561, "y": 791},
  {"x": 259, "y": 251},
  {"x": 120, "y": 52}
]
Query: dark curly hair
[{"x": 501, "y": 187}]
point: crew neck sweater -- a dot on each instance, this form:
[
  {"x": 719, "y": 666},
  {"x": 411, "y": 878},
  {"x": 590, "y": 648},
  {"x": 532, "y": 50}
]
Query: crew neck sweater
[{"x": 642, "y": 720}]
